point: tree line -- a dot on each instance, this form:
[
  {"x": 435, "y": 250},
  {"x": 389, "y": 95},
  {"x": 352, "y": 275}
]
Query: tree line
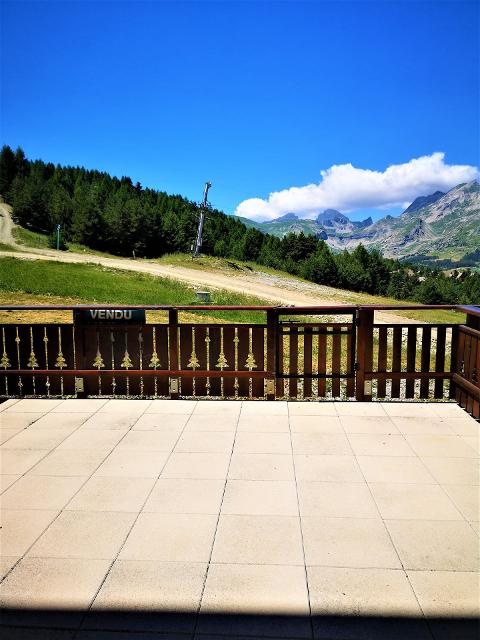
[{"x": 114, "y": 215}]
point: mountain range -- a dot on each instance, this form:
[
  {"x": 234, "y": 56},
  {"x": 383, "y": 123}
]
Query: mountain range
[{"x": 439, "y": 226}]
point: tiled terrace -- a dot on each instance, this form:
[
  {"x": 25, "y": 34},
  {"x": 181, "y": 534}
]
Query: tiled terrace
[{"x": 185, "y": 519}]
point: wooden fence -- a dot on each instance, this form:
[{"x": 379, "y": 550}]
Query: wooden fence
[{"x": 297, "y": 353}]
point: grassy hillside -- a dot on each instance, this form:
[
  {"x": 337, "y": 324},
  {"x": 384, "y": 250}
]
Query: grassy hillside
[{"x": 86, "y": 283}]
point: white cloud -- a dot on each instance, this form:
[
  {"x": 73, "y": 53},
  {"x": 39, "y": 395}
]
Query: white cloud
[{"x": 347, "y": 188}]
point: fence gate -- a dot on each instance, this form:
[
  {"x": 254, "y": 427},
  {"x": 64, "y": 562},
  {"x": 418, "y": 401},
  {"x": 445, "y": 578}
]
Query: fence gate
[{"x": 315, "y": 358}]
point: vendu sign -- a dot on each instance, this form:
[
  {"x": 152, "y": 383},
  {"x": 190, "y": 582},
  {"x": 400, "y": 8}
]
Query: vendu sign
[{"x": 89, "y": 316}]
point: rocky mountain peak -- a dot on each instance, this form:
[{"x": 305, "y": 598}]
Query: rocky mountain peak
[
  {"x": 423, "y": 201},
  {"x": 288, "y": 217},
  {"x": 331, "y": 216}
]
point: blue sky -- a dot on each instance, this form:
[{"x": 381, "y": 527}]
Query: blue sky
[{"x": 257, "y": 97}]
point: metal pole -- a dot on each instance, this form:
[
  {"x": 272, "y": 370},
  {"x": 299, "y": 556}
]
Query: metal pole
[
  {"x": 201, "y": 220},
  {"x": 58, "y": 237}
]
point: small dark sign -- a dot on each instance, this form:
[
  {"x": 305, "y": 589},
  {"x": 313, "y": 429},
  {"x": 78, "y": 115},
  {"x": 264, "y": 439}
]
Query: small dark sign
[{"x": 89, "y": 316}]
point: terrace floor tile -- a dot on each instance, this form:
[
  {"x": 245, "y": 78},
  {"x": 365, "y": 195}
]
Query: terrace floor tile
[
  {"x": 185, "y": 496},
  {"x": 260, "y": 497},
  {"x": 348, "y": 542},
  {"x": 84, "y": 534},
  {"x": 177, "y": 538},
  {"x": 258, "y": 539},
  {"x": 432, "y": 545}
]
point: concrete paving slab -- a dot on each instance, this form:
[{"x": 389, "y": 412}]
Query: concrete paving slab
[
  {"x": 90, "y": 405},
  {"x": 126, "y": 407},
  {"x": 41, "y": 492},
  {"x": 106, "y": 421},
  {"x": 348, "y": 542},
  {"x": 148, "y": 441},
  {"x": 443, "y": 593},
  {"x": 464, "y": 471},
  {"x": 18, "y": 420},
  {"x": 263, "y": 443},
  {"x": 327, "y": 468},
  {"x": 32, "y": 406},
  {"x": 312, "y": 409},
  {"x": 466, "y": 499},
  {"x": 265, "y": 408},
  {"x": 420, "y": 426},
  {"x": 112, "y": 494},
  {"x": 19, "y": 461},
  {"x": 52, "y": 585},
  {"x": 60, "y": 421},
  {"x": 260, "y": 497},
  {"x": 46, "y": 439},
  {"x": 432, "y": 545},
  {"x": 350, "y": 591},
  {"x": 275, "y": 598},
  {"x": 84, "y": 534},
  {"x": 261, "y": 466},
  {"x": 184, "y": 407},
  {"x": 409, "y": 409},
  {"x": 205, "y": 442},
  {"x": 166, "y": 593},
  {"x": 88, "y": 439},
  {"x": 6, "y": 564},
  {"x": 7, "y": 434},
  {"x": 359, "y": 409},
  {"x": 160, "y": 422},
  {"x": 7, "y": 480},
  {"x": 369, "y": 444},
  {"x": 336, "y": 499},
  {"x": 413, "y": 502},
  {"x": 21, "y": 527},
  {"x": 258, "y": 539},
  {"x": 441, "y": 446},
  {"x": 321, "y": 443},
  {"x": 223, "y": 421},
  {"x": 185, "y": 496},
  {"x": 197, "y": 465},
  {"x": 368, "y": 424},
  {"x": 257, "y": 424},
  {"x": 316, "y": 424},
  {"x": 138, "y": 464},
  {"x": 63, "y": 462},
  {"x": 177, "y": 538},
  {"x": 394, "y": 469}
]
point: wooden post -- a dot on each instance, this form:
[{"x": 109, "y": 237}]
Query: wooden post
[
  {"x": 271, "y": 351},
  {"x": 364, "y": 354},
  {"x": 173, "y": 351}
]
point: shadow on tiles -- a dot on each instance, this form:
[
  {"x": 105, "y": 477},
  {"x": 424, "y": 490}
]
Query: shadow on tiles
[{"x": 122, "y": 624}]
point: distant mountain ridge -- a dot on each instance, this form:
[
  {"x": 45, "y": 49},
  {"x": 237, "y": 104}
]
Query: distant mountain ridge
[{"x": 439, "y": 225}]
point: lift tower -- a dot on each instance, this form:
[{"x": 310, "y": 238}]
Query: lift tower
[{"x": 203, "y": 207}]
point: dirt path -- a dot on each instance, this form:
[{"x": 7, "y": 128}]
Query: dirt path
[
  {"x": 270, "y": 287},
  {"x": 6, "y": 226}
]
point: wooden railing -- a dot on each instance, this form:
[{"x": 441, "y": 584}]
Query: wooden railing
[{"x": 298, "y": 353}]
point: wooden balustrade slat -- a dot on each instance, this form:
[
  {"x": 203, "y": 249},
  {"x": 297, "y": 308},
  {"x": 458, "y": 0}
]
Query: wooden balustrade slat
[
  {"x": 336, "y": 363},
  {"x": 307, "y": 364},
  {"x": 440, "y": 360},
  {"x": 293, "y": 362},
  {"x": 382, "y": 360},
  {"x": 322, "y": 365},
  {"x": 425, "y": 360},
  {"x": 396, "y": 359}
]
